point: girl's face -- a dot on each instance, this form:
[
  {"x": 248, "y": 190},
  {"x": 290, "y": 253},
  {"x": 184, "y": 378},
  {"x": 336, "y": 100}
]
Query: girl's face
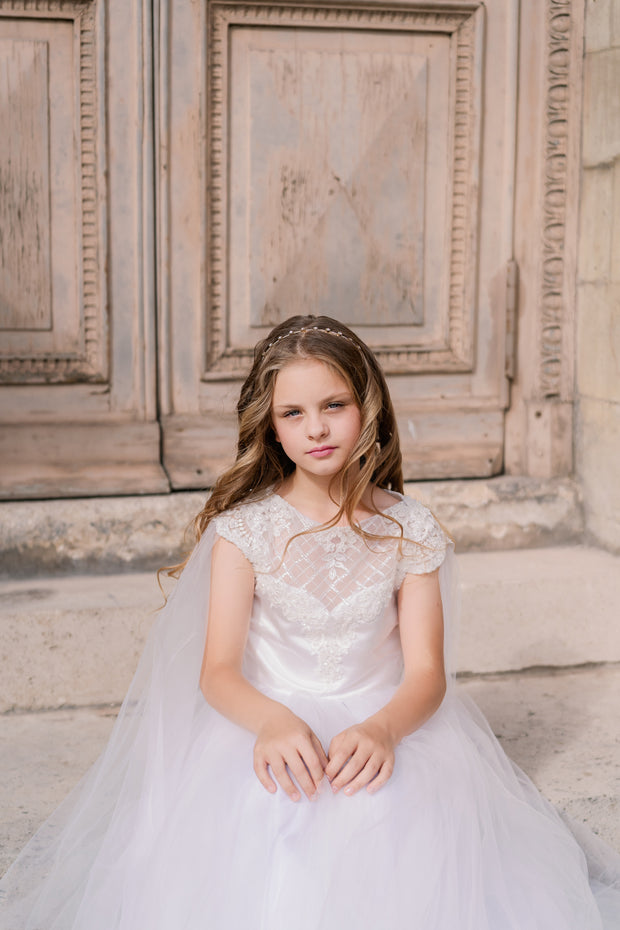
[{"x": 315, "y": 417}]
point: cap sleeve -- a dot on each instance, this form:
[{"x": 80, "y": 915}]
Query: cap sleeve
[
  {"x": 246, "y": 528},
  {"x": 425, "y": 544}
]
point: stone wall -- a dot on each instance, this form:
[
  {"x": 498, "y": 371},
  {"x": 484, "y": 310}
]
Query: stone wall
[{"x": 597, "y": 438}]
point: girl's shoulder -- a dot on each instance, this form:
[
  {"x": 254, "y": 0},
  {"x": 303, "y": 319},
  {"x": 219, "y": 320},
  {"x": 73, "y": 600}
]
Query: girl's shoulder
[
  {"x": 416, "y": 515},
  {"x": 247, "y": 525},
  {"x": 425, "y": 542}
]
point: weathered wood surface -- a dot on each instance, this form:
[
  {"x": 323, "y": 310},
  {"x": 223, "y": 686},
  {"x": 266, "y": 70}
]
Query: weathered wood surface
[
  {"x": 25, "y": 278},
  {"x": 343, "y": 158},
  {"x": 77, "y": 310},
  {"x": 357, "y": 159}
]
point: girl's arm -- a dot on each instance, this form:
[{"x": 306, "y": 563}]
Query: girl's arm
[
  {"x": 363, "y": 755},
  {"x": 284, "y": 742}
]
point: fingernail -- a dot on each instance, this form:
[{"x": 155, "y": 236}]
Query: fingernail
[
  {"x": 348, "y": 790},
  {"x": 335, "y": 789}
]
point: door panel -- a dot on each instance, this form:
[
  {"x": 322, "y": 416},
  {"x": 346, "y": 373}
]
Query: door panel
[
  {"x": 77, "y": 353},
  {"x": 343, "y": 150},
  {"x": 52, "y": 231}
]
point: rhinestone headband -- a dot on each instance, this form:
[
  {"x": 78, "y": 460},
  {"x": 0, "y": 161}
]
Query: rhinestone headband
[{"x": 311, "y": 329}]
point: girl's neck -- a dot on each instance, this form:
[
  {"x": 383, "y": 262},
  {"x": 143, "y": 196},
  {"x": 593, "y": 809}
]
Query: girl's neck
[{"x": 312, "y": 497}]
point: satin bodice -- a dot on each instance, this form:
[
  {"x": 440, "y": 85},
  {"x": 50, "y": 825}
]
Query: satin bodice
[{"x": 324, "y": 615}]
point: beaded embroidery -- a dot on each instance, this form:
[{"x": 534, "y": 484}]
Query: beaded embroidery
[{"x": 330, "y": 583}]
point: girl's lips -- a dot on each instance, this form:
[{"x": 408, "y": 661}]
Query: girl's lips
[{"x": 321, "y": 452}]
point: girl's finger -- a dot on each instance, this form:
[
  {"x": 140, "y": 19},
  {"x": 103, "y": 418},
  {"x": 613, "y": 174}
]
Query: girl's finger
[
  {"x": 383, "y": 775},
  {"x": 262, "y": 773},
  {"x": 316, "y": 742},
  {"x": 298, "y": 767},
  {"x": 314, "y": 759},
  {"x": 340, "y": 751},
  {"x": 285, "y": 781},
  {"x": 336, "y": 764},
  {"x": 364, "y": 777},
  {"x": 350, "y": 771}
]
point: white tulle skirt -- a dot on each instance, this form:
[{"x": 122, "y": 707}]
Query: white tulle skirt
[
  {"x": 172, "y": 830},
  {"x": 459, "y": 839}
]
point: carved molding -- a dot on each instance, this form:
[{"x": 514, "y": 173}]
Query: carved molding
[
  {"x": 464, "y": 23},
  {"x": 89, "y": 364},
  {"x": 464, "y": 213},
  {"x": 445, "y": 19},
  {"x": 556, "y": 154},
  {"x": 41, "y": 8},
  {"x": 44, "y": 8}
]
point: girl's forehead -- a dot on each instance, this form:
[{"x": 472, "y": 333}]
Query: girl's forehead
[{"x": 307, "y": 375}]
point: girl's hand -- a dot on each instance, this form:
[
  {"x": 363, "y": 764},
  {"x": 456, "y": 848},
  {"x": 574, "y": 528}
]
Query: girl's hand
[
  {"x": 285, "y": 743},
  {"x": 361, "y": 756}
]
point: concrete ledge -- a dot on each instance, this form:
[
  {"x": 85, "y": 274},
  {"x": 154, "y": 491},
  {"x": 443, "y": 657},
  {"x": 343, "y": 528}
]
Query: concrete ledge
[
  {"x": 73, "y": 640},
  {"x": 553, "y": 607},
  {"x": 100, "y": 534},
  {"x": 505, "y": 512},
  {"x": 561, "y": 729},
  {"x": 76, "y": 640},
  {"x": 131, "y": 533}
]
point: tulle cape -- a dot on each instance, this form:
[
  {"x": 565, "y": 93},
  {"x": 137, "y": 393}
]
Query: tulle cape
[{"x": 129, "y": 789}]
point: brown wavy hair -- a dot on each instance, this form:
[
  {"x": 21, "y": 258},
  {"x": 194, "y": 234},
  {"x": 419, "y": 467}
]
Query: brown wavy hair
[{"x": 260, "y": 462}]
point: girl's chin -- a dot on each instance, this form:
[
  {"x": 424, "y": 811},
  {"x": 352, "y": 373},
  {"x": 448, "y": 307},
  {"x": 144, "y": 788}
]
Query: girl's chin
[{"x": 325, "y": 467}]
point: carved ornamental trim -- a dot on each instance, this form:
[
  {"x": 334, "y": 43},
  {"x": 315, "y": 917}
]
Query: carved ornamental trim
[
  {"x": 556, "y": 155},
  {"x": 90, "y": 363},
  {"x": 464, "y": 22}
]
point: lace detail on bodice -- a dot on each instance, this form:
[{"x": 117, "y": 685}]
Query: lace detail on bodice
[
  {"x": 331, "y": 585},
  {"x": 329, "y": 634}
]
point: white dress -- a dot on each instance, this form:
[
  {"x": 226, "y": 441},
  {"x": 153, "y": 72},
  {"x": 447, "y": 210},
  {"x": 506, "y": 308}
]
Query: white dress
[{"x": 171, "y": 830}]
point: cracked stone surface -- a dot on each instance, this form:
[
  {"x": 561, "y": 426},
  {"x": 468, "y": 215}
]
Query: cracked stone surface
[{"x": 137, "y": 532}]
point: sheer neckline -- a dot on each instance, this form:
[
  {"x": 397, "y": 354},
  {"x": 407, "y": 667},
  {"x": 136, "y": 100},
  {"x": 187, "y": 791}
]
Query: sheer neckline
[{"x": 339, "y": 526}]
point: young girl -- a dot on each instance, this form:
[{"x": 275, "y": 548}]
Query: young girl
[{"x": 307, "y": 764}]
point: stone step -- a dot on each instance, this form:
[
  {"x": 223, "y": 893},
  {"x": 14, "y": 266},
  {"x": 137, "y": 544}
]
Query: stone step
[
  {"x": 556, "y": 607},
  {"x": 75, "y": 640},
  {"x": 136, "y": 533}
]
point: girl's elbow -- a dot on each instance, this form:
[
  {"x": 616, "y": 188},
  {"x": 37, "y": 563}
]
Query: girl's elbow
[
  {"x": 437, "y": 687},
  {"x": 208, "y": 683},
  {"x": 216, "y": 681},
  {"x": 203, "y": 684}
]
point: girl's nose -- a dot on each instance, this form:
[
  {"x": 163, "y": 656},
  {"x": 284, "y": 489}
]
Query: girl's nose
[{"x": 316, "y": 427}]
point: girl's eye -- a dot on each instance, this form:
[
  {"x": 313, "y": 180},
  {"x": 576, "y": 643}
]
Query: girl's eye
[
  {"x": 335, "y": 403},
  {"x": 291, "y": 413}
]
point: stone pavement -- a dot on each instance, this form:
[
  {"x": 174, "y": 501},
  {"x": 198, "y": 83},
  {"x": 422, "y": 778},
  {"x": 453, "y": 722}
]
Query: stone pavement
[{"x": 539, "y": 653}]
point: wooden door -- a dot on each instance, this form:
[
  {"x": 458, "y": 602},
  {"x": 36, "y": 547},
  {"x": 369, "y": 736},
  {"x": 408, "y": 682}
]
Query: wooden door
[
  {"x": 349, "y": 159},
  {"x": 77, "y": 309},
  {"x": 177, "y": 177}
]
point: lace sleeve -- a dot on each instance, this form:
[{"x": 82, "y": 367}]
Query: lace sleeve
[
  {"x": 245, "y": 528},
  {"x": 425, "y": 546}
]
